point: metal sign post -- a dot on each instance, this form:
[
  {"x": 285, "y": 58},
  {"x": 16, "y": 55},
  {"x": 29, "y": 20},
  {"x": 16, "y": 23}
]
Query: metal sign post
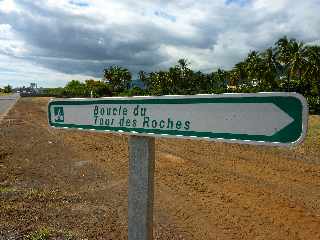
[{"x": 140, "y": 192}]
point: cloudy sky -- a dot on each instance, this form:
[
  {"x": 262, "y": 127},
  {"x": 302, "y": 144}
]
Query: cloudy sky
[{"x": 53, "y": 41}]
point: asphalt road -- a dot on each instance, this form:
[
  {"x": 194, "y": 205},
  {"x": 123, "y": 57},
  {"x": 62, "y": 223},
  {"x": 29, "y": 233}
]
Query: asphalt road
[{"x": 6, "y": 102}]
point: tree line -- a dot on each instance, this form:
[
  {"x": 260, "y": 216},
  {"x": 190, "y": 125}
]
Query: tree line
[
  {"x": 289, "y": 65},
  {"x": 6, "y": 89}
]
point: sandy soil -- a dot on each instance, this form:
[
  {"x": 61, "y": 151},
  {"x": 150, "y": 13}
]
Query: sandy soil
[{"x": 73, "y": 184}]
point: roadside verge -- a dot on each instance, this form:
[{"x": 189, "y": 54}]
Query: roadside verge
[{"x": 7, "y": 103}]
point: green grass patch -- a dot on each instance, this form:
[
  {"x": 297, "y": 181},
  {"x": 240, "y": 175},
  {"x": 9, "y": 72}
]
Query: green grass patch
[
  {"x": 4, "y": 189},
  {"x": 46, "y": 233},
  {"x": 41, "y": 234},
  {"x": 34, "y": 193}
]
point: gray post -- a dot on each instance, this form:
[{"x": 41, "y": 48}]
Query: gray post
[{"x": 140, "y": 193}]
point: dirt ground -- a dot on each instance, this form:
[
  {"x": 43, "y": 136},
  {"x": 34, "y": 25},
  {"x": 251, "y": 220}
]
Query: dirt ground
[{"x": 61, "y": 184}]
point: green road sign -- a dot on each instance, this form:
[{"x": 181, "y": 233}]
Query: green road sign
[{"x": 262, "y": 118}]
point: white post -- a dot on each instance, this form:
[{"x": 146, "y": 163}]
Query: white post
[{"x": 140, "y": 193}]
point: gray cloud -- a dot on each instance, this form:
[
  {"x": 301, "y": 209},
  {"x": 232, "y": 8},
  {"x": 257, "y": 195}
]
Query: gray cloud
[{"x": 84, "y": 37}]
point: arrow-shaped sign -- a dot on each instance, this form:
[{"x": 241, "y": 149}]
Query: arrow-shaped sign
[{"x": 264, "y": 118}]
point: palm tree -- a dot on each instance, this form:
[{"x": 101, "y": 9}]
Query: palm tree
[
  {"x": 218, "y": 81},
  {"x": 234, "y": 77},
  {"x": 312, "y": 72},
  {"x": 271, "y": 69},
  {"x": 254, "y": 68},
  {"x": 183, "y": 63},
  {"x": 180, "y": 77},
  {"x": 291, "y": 55},
  {"x": 240, "y": 75},
  {"x": 143, "y": 77},
  {"x": 119, "y": 78},
  {"x": 283, "y": 56},
  {"x": 297, "y": 59}
]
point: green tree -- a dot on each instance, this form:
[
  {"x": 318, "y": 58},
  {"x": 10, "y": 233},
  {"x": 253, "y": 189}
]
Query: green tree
[
  {"x": 271, "y": 67},
  {"x": 218, "y": 81},
  {"x": 181, "y": 78},
  {"x": 255, "y": 69},
  {"x": 135, "y": 91},
  {"x": 54, "y": 92},
  {"x": 143, "y": 77},
  {"x": 119, "y": 78},
  {"x": 291, "y": 56},
  {"x": 7, "y": 89},
  {"x": 97, "y": 88},
  {"x": 288, "y": 66},
  {"x": 297, "y": 59},
  {"x": 75, "y": 88},
  {"x": 199, "y": 83},
  {"x": 238, "y": 77},
  {"x": 312, "y": 72},
  {"x": 283, "y": 55}
]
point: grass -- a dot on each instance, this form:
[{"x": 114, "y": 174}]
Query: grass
[
  {"x": 6, "y": 189},
  {"x": 48, "y": 233},
  {"x": 34, "y": 193},
  {"x": 4, "y": 94},
  {"x": 312, "y": 139},
  {"x": 41, "y": 234},
  {"x": 69, "y": 236}
]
